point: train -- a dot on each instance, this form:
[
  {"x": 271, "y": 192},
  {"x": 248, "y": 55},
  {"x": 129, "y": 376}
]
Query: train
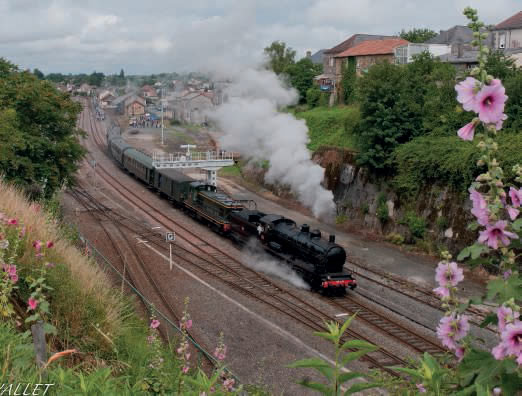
[{"x": 319, "y": 261}]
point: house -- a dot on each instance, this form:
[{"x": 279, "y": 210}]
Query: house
[
  {"x": 367, "y": 54},
  {"x": 464, "y": 60},
  {"x": 105, "y": 98},
  {"x": 192, "y": 107},
  {"x": 85, "y": 89},
  {"x": 149, "y": 92},
  {"x": 508, "y": 34},
  {"x": 317, "y": 58},
  {"x": 405, "y": 53},
  {"x": 129, "y": 104}
]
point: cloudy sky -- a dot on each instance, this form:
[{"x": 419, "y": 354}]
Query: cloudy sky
[{"x": 182, "y": 35}]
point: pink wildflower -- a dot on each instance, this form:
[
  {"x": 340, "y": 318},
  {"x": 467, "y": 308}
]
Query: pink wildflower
[
  {"x": 32, "y": 303},
  {"x": 442, "y": 291},
  {"x": 154, "y": 324},
  {"x": 49, "y": 244},
  {"x": 512, "y": 212},
  {"x": 451, "y": 329},
  {"x": 466, "y": 93},
  {"x": 421, "y": 388},
  {"x": 516, "y": 196},
  {"x": 493, "y": 233},
  {"x": 512, "y": 338},
  {"x": 505, "y": 315},
  {"x": 499, "y": 123},
  {"x": 459, "y": 353},
  {"x": 188, "y": 324},
  {"x": 22, "y": 232},
  {"x": 12, "y": 222},
  {"x": 14, "y": 278},
  {"x": 467, "y": 132},
  {"x": 228, "y": 384},
  {"x": 185, "y": 369},
  {"x": 480, "y": 207},
  {"x": 448, "y": 274},
  {"x": 38, "y": 245},
  {"x": 187, "y": 356},
  {"x": 489, "y": 103},
  {"x": 499, "y": 352},
  {"x": 507, "y": 274}
]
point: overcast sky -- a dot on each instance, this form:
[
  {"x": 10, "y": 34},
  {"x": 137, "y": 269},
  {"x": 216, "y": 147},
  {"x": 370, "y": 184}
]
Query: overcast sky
[{"x": 145, "y": 37}]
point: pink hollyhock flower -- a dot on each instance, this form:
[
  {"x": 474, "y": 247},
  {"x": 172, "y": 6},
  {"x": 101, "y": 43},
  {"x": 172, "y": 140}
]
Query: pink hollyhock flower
[
  {"x": 493, "y": 233},
  {"x": 466, "y": 93},
  {"x": 32, "y": 303},
  {"x": 507, "y": 274},
  {"x": 228, "y": 384},
  {"x": 459, "y": 353},
  {"x": 154, "y": 324},
  {"x": 505, "y": 315},
  {"x": 512, "y": 212},
  {"x": 519, "y": 360},
  {"x": 480, "y": 207},
  {"x": 37, "y": 245},
  {"x": 516, "y": 196},
  {"x": 12, "y": 222},
  {"x": 185, "y": 369},
  {"x": 512, "y": 338},
  {"x": 499, "y": 123},
  {"x": 448, "y": 274},
  {"x": 421, "y": 388},
  {"x": 188, "y": 324},
  {"x": 461, "y": 326},
  {"x": 467, "y": 132},
  {"x": 22, "y": 233},
  {"x": 489, "y": 103},
  {"x": 14, "y": 278},
  {"x": 442, "y": 292},
  {"x": 499, "y": 352},
  {"x": 445, "y": 332},
  {"x": 49, "y": 244}
]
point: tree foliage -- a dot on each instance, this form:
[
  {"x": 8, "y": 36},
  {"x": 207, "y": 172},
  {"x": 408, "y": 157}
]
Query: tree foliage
[
  {"x": 417, "y": 35},
  {"x": 38, "y": 74},
  {"x": 301, "y": 76},
  {"x": 280, "y": 57},
  {"x": 348, "y": 81},
  {"x": 38, "y": 131}
]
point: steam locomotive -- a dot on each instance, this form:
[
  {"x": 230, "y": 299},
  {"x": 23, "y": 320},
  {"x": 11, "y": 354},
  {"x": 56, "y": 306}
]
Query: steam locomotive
[{"x": 318, "y": 261}]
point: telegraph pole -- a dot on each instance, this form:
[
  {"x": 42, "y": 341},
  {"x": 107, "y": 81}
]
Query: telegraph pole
[{"x": 162, "y": 143}]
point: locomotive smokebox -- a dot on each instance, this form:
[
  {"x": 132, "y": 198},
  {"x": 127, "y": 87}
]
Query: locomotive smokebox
[
  {"x": 331, "y": 239},
  {"x": 305, "y": 228}
]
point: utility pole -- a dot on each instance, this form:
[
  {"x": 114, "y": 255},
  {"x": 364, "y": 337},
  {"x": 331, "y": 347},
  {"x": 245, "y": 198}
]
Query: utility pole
[{"x": 162, "y": 143}]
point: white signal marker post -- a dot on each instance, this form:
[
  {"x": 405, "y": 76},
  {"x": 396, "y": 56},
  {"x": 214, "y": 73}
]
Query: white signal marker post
[{"x": 169, "y": 238}]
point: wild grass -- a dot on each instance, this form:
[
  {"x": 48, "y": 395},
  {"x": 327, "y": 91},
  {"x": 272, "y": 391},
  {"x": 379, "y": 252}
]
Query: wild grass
[{"x": 331, "y": 126}]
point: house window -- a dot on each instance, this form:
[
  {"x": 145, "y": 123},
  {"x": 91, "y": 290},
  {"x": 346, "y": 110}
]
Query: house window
[
  {"x": 331, "y": 62},
  {"x": 502, "y": 40}
]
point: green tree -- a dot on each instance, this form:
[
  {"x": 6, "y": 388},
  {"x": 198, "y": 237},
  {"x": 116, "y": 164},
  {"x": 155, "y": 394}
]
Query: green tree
[
  {"x": 95, "y": 79},
  {"x": 280, "y": 57},
  {"x": 122, "y": 74},
  {"x": 417, "y": 35},
  {"x": 301, "y": 76},
  {"x": 38, "y": 131},
  {"x": 500, "y": 65},
  {"x": 513, "y": 109},
  {"x": 348, "y": 81},
  {"x": 38, "y": 74},
  {"x": 313, "y": 95}
]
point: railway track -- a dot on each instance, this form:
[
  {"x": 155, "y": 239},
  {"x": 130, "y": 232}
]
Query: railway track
[{"x": 219, "y": 264}]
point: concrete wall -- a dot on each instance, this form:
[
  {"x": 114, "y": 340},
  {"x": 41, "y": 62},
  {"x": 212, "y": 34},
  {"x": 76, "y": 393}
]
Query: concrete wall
[{"x": 512, "y": 38}]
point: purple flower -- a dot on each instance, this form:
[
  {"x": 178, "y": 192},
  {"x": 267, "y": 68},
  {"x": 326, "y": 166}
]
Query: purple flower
[
  {"x": 448, "y": 274},
  {"x": 507, "y": 274},
  {"x": 442, "y": 291},
  {"x": 493, "y": 233},
  {"x": 154, "y": 324},
  {"x": 512, "y": 338},
  {"x": 466, "y": 93},
  {"x": 467, "y": 132},
  {"x": 505, "y": 315},
  {"x": 499, "y": 352},
  {"x": 452, "y": 328},
  {"x": 512, "y": 212},
  {"x": 516, "y": 196},
  {"x": 421, "y": 388},
  {"x": 498, "y": 124},
  {"x": 459, "y": 353},
  {"x": 480, "y": 207},
  {"x": 489, "y": 103}
]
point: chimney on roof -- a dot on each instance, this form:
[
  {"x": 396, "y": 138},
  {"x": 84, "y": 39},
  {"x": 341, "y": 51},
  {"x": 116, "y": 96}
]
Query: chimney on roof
[{"x": 308, "y": 54}]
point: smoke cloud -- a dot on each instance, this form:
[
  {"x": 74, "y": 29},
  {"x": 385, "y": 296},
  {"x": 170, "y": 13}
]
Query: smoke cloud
[
  {"x": 261, "y": 262},
  {"x": 253, "y": 125}
]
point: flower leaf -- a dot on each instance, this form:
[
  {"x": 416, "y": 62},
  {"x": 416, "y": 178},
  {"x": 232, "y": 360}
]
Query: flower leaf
[
  {"x": 517, "y": 224},
  {"x": 309, "y": 363},
  {"x": 325, "y": 390},
  {"x": 464, "y": 253}
]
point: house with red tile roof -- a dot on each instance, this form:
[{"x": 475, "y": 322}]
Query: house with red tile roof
[
  {"x": 508, "y": 33},
  {"x": 367, "y": 54}
]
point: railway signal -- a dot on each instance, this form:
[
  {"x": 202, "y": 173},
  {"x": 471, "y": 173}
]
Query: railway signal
[{"x": 169, "y": 238}]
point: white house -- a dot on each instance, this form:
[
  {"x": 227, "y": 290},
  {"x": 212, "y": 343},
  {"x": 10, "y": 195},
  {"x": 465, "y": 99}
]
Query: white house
[{"x": 404, "y": 53}]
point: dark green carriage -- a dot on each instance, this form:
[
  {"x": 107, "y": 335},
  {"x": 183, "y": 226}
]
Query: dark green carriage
[{"x": 173, "y": 184}]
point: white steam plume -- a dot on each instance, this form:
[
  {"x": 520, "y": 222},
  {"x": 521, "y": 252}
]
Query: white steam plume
[
  {"x": 252, "y": 125},
  {"x": 262, "y": 262}
]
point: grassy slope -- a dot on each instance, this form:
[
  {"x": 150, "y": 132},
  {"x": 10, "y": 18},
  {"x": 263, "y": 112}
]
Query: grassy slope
[{"x": 330, "y": 126}]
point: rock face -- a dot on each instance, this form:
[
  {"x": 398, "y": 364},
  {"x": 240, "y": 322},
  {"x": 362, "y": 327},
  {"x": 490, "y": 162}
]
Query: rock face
[{"x": 437, "y": 214}]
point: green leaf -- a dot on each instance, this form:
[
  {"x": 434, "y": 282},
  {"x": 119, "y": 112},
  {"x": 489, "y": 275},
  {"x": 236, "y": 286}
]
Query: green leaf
[
  {"x": 32, "y": 318},
  {"x": 353, "y": 356},
  {"x": 412, "y": 372},
  {"x": 328, "y": 372},
  {"x": 346, "y": 324},
  {"x": 517, "y": 224},
  {"x": 506, "y": 289},
  {"x": 325, "y": 390},
  {"x": 348, "y": 376},
  {"x": 482, "y": 364},
  {"x": 464, "y": 253},
  {"x": 359, "y": 344},
  {"x": 477, "y": 249},
  {"x": 360, "y": 387},
  {"x": 49, "y": 329},
  {"x": 309, "y": 363},
  {"x": 327, "y": 336},
  {"x": 490, "y": 319}
]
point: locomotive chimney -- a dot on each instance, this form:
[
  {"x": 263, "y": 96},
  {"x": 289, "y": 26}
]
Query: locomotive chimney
[
  {"x": 332, "y": 238},
  {"x": 305, "y": 228}
]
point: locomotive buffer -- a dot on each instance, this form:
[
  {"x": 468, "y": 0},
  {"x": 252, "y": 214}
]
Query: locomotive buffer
[{"x": 210, "y": 161}]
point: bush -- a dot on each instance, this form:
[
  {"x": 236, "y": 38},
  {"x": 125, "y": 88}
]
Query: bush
[
  {"x": 382, "y": 208},
  {"x": 395, "y": 238},
  {"x": 341, "y": 219},
  {"x": 312, "y": 96},
  {"x": 416, "y": 224}
]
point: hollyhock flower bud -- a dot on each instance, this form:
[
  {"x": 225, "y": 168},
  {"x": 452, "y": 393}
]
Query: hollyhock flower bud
[
  {"x": 467, "y": 132},
  {"x": 516, "y": 197}
]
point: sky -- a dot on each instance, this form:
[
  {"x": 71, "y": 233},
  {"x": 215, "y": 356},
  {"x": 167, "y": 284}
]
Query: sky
[{"x": 144, "y": 37}]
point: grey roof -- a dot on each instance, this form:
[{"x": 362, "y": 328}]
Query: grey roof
[
  {"x": 467, "y": 57},
  {"x": 122, "y": 98},
  {"x": 317, "y": 58},
  {"x": 457, "y": 34}
]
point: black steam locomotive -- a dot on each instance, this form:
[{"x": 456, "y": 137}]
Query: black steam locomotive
[{"x": 319, "y": 261}]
